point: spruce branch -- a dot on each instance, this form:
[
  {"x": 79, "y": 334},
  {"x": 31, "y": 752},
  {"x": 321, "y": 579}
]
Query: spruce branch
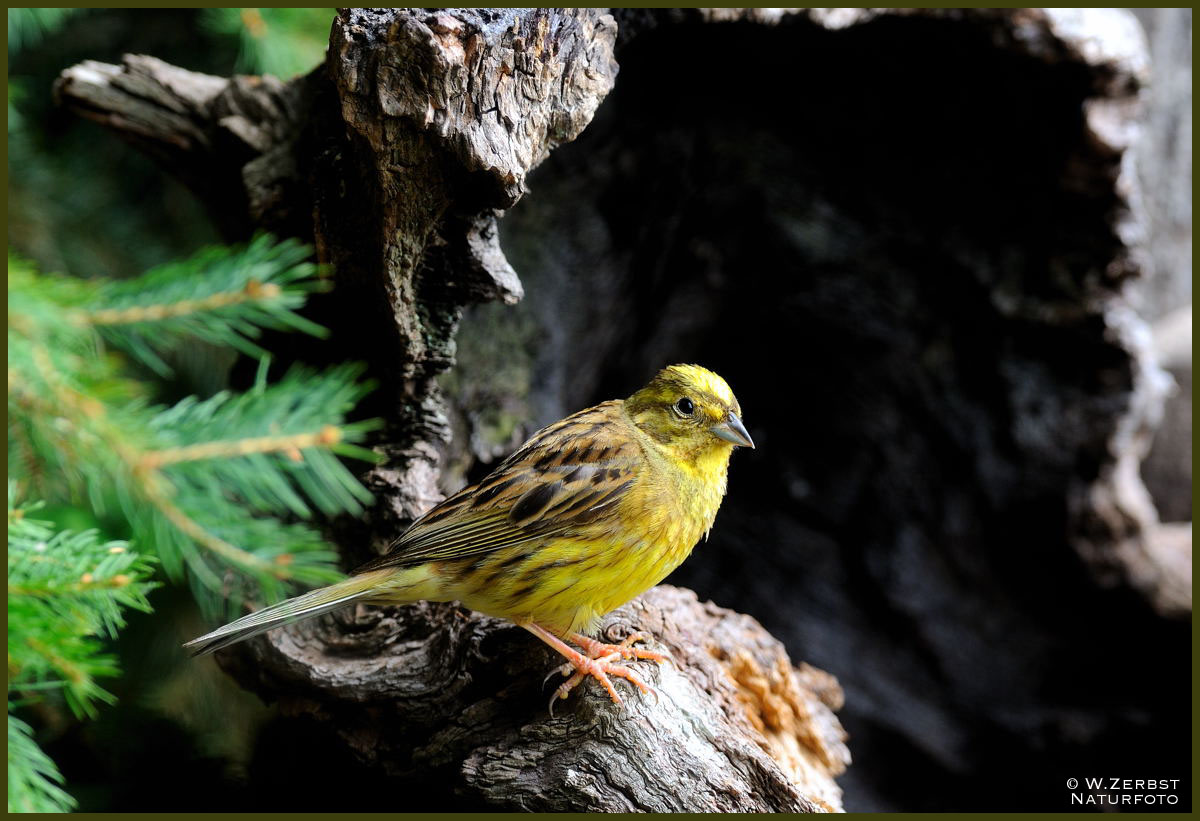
[
  {"x": 253, "y": 290},
  {"x": 169, "y": 501},
  {"x": 66, "y": 592},
  {"x": 290, "y": 445},
  {"x": 204, "y": 481},
  {"x": 221, "y": 295},
  {"x": 34, "y": 782},
  {"x": 67, "y": 589}
]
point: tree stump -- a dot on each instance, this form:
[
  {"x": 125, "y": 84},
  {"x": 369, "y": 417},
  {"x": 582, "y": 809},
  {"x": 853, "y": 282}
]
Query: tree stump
[
  {"x": 452, "y": 702},
  {"x": 906, "y": 236}
]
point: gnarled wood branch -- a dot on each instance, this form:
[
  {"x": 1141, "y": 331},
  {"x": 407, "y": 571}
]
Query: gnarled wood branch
[{"x": 458, "y": 702}]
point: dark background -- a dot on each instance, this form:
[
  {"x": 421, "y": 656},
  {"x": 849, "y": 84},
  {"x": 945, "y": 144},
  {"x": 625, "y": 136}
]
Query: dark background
[{"x": 824, "y": 218}]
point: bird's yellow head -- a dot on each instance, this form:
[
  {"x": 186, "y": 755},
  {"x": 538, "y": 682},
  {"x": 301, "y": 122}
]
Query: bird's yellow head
[{"x": 691, "y": 411}]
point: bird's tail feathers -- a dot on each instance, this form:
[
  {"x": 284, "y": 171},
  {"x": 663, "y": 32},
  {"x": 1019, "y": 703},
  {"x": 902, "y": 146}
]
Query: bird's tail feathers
[{"x": 286, "y": 612}]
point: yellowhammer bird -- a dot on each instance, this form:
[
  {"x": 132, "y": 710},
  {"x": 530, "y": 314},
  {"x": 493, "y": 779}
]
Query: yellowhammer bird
[{"x": 587, "y": 514}]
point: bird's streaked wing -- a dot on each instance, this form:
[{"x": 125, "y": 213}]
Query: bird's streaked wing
[{"x": 567, "y": 475}]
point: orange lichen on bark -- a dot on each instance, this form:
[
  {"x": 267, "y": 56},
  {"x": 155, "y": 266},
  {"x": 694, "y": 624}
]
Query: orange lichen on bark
[{"x": 793, "y": 709}]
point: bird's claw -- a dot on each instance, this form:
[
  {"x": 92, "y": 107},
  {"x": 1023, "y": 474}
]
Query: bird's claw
[
  {"x": 599, "y": 661},
  {"x": 563, "y": 669},
  {"x": 599, "y": 669}
]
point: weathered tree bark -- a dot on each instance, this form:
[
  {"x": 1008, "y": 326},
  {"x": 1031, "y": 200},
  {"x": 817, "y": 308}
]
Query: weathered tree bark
[
  {"x": 451, "y": 702},
  {"x": 1163, "y": 154},
  {"x": 905, "y": 236}
]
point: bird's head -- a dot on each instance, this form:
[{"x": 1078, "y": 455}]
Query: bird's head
[{"x": 691, "y": 411}]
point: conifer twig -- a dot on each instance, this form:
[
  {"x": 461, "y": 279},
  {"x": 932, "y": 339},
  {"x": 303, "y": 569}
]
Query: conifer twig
[
  {"x": 254, "y": 291},
  {"x": 291, "y": 445},
  {"x": 152, "y": 483}
]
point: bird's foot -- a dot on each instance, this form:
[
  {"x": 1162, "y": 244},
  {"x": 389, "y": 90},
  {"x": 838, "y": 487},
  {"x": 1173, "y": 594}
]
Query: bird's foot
[
  {"x": 599, "y": 669},
  {"x": 602, "y": 660},
  {"x": 596, "y": 649}
]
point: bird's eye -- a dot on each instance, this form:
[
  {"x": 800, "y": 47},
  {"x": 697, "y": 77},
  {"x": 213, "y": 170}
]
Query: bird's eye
[{"x": 685, "y": 406}]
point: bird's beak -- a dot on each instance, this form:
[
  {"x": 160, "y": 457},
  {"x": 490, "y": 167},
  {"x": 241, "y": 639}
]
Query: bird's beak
[{"x": 732, "y": 430}]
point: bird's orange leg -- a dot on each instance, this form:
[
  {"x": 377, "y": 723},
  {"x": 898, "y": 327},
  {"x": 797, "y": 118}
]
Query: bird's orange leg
[
  {"x": 596, "y": 649},
  {"x": 599, "y": 668}
]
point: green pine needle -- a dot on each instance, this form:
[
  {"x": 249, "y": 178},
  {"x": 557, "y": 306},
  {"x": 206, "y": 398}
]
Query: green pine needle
[
  {"x": 67, "y": 590},
  {"x": 34, "y": 782}
]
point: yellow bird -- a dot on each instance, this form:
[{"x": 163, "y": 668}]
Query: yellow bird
[{"x": 590, "y": 512}]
